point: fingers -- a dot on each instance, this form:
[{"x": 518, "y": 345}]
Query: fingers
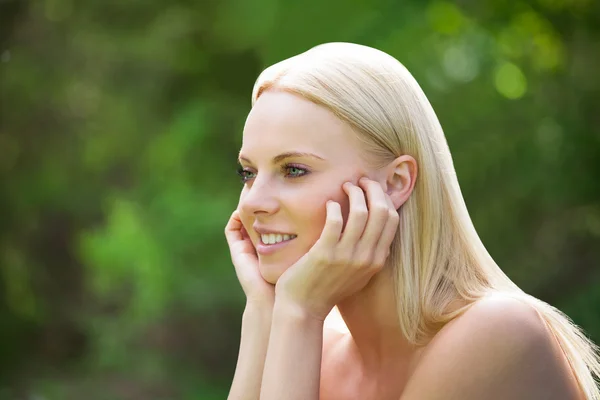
[
  {"x": 235, "y": 230},
  {"x": 333, "y": 226},
  {"x": 238, "y": 239},
  {"x": 234, "y": 227},
  {"x": 368, "y": 235},
  {"x": 379, "y": 212},
  {"x": 387, "y": 236},
  {"x": 358, "y": 215},
  {"x": 244, "y": 232}
]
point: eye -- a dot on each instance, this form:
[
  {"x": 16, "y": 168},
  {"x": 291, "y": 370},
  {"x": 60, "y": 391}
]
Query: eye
[
  {"x": 245, "y": 174},
  {"x": 295, "y": 171}
]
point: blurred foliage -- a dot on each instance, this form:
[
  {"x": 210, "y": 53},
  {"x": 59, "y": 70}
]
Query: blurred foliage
[{"x": 120, "y": 124}]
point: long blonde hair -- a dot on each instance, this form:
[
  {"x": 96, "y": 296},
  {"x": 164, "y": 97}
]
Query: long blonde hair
[{"x": 446, "y": 261}]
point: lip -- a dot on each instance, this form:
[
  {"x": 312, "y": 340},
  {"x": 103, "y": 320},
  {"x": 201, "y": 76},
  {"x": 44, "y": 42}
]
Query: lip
[
  {"x": 264, "y": 231},
  {"x": 267, "y": 249}
]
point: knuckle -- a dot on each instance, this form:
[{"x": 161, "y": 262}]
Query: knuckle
[
  {"x": 378, "y": 263},
  {"x": 353, "y": 261},
  {"x": 335, "y": 221},
  {"x": 342, "y": 257},
  {"x": 357, "y": 190},
  {"x": 361, "y": 261},
  {"x": 380, "y": 209},
  {"x": 376, "y": 267},
  {"x": 325, "y": 259},
  {"x": 368, "y": 183},
  {"x": 319, "y": 257},
  {"x": 324, "y": 256},
  {"x": 361, "y": 212}
]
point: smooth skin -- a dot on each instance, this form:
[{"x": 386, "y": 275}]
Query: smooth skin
[
  {"x": 340, "y": 265},
  {"x": 336, "y": 267},
  {"x": 498, "y": 349},
  {"x": 256, "y": 320}
]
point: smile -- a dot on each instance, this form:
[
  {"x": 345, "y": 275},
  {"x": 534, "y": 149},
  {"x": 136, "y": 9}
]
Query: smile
[
  {"x": 273, "y": 238},
  {"x": 272, "y": 243}
]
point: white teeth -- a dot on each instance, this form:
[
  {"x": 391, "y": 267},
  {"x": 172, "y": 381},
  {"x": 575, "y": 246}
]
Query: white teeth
[{"x": 272, "y": 238}]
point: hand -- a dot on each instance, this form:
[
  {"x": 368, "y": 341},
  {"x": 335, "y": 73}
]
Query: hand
[
  {"x": 335, "y": 268},
  {"x": 245, "y": 261}
]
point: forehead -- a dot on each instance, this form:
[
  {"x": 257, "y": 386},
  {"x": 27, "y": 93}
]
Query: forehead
[{"x": 281, "y": 122}]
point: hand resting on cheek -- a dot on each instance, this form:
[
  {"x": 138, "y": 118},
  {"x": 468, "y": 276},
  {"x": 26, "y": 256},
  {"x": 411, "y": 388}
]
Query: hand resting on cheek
[
  {"x": 245, "y": 261},
  {"x": 339, "y": 265}
]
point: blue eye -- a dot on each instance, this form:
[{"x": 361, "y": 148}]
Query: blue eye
[
  {"x": 290, "y": 171},
  {"x": 294, "y": 171},
  {"x": 245, "y": 174}
]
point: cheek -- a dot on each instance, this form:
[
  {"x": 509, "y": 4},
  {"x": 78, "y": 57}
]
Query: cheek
[
  {"x": 313, "y": 221},
  {"x": 315, "y": 215},
  {"x": 306, "y": 214},
  {"x": 342, "y": 199}
]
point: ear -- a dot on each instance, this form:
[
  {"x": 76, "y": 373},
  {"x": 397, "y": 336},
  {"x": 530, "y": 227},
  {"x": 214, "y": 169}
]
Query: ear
[{"x": 400, "y": 176}]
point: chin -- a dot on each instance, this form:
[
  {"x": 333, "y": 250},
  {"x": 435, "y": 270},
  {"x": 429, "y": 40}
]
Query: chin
[{"x": 272, "y": 272}]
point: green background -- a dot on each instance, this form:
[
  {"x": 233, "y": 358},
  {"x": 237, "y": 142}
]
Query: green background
[{"x": 119, "y": 130}]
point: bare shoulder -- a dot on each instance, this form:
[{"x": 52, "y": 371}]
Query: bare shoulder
[
  {"x": 500, "y": 348},
  {"x": 496, "y": 316}
]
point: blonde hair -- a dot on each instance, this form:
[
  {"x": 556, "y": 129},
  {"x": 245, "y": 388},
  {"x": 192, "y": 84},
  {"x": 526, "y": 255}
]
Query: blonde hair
[{"x": 446, "y": 261}]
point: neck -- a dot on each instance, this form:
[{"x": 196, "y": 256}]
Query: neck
[{"x": 371, "y": 317}]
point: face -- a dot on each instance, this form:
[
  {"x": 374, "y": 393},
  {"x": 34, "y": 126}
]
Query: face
[{"x": 295, "y": 157}]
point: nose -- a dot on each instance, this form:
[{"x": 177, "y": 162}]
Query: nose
[{"x": 259, "y": 198}]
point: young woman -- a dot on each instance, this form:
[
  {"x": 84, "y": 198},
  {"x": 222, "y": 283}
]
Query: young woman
[{"x": 364, "y": 276}]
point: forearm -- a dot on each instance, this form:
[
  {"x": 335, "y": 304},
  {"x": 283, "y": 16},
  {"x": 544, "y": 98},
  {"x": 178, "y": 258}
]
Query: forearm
[
  {"x": 256, "y": 325},
  {"x": 293, "y": 365}
]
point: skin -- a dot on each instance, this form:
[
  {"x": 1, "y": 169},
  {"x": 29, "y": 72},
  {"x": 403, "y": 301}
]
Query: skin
[
  {"x": 281, "y": 122},
  {"x": 344, "y": 215}
]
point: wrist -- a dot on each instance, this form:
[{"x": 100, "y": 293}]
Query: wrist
[
  {"x": 288, "y": 308},
  {"x": 261, "y": 303},
  {"x": 258, "y": 309}
]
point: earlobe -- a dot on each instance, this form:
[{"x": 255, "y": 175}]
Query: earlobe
[{"x": 398, "y": 197}]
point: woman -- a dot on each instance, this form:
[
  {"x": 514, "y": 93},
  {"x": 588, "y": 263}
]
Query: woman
[{"x": 364, "y": 276}]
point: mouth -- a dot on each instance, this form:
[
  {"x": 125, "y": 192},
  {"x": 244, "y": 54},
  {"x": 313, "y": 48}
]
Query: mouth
[
  {"x": 275, "y": 238},
  {"x": 272, "y": 243}
]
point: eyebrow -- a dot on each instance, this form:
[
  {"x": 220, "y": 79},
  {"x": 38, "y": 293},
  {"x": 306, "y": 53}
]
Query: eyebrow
[{"x": 283, "y": 156}]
